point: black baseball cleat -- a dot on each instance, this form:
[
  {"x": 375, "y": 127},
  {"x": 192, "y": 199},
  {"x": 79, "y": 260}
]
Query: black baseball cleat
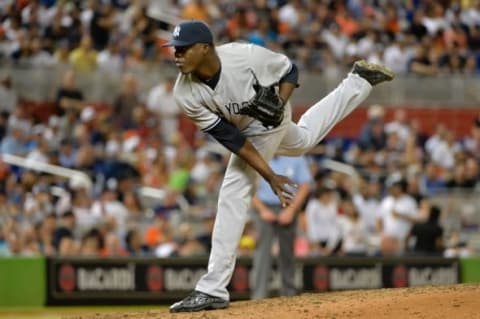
[
  {"x": 373, "y": 73},
  {"x": 198, "y": 301}
]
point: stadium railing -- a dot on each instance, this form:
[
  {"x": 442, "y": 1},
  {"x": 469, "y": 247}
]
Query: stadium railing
[{"x": 451, "y": 90}]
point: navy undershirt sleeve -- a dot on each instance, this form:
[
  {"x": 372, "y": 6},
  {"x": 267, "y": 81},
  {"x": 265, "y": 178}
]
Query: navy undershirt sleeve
[
  {"x": 227, "y": 135},
  {"x": 291, "y": 76}
]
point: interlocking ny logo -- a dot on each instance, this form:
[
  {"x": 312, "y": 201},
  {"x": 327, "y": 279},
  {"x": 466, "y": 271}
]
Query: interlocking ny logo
[{"x": 176, "y": 31}]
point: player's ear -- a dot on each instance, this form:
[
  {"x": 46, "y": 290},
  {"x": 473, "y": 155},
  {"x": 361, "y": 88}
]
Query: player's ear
[{"x": 206, "y": 48}]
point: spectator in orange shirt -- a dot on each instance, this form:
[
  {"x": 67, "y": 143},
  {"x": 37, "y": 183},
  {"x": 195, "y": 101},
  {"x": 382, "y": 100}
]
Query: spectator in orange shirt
[
  {"x": 155, "y": 233},
  {"x": 196, "y": 10},
  {"x": 392, "y": 25},
  {"x": 348, "y": 25}
]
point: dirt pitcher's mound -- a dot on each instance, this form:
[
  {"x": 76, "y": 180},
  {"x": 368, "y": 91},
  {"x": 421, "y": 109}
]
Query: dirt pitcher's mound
[{"x": 457, "y": 301}]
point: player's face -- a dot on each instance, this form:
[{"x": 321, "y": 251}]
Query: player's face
[{"x": 189, "y": 58}]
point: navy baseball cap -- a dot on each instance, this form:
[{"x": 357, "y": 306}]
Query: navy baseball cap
[{"x": 190, "y": 32}]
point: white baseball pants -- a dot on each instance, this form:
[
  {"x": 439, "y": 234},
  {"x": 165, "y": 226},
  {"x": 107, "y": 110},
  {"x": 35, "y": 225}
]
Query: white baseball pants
[{"x": 240, "y": 179}]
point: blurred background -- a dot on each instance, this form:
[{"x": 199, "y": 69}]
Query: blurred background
[{"x": 98, "y": 164}]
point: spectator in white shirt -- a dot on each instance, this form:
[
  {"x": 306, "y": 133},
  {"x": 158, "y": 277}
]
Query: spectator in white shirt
[
  {"x": 109, "y": 60},
  {"x": 352, "y": 229},
  {"x": 336, "y": 41},
  {"x": 8, "y": 95},
  {"x": 39, "y": 57},
  {"x": 367, "y": 203},
  {"x": 397, "y": 55},
  {"x": 445, "y": 151},
  {"x": 399, "y": 125},
  {"x": 322, "y": 223},
  {"x": 110, "y": 209},
  {"x": 435, "y": 19},
  {"x": 436, "y": 138},
  {"x": 398, "y": 213},
  {"x": 161, "y": 102}
]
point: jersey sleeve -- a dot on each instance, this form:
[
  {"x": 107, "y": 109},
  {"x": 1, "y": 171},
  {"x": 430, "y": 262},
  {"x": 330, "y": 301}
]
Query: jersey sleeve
[
  {"x": 203, "y": 117},
  {"x": 269, "y": 66}
]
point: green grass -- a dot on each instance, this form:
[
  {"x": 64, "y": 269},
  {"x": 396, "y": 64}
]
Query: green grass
[{"x": 62, "y": 312}]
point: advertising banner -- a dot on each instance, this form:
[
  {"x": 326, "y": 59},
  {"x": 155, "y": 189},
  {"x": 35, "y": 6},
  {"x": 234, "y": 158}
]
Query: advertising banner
[{"x": 150, "y": 280}]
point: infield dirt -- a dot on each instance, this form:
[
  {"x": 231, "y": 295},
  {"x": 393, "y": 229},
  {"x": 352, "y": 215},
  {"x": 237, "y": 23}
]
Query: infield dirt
[{"x": 456, "y": 301}]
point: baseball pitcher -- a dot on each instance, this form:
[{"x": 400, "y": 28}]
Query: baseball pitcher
[{"x": 239, "y": 93}]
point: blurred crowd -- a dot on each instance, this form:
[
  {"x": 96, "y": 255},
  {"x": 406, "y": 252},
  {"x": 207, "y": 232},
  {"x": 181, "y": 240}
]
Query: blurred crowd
[
  {"x": 135, "y": 145},
  {"x": 413, "y": 36}
]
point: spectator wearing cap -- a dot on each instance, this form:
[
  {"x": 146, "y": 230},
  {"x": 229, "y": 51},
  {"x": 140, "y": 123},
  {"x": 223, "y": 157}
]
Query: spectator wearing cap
[{"x": 398, "y": 213}]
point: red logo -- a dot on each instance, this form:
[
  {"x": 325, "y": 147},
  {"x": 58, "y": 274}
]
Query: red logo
[
  {"x": 240, "y": 279},
  {"x": 66, "y": 278},
  {"x": 154, "y": 278},
  {"x": 320, "y": 278},
  {"x": 400, "y": 276}
]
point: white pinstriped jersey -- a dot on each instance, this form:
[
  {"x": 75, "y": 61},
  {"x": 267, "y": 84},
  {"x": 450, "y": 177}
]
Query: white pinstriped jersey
[{"x": 234, "y": 89}]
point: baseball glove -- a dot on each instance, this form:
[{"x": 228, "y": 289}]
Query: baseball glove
[{"x": 265, "y": 106}]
